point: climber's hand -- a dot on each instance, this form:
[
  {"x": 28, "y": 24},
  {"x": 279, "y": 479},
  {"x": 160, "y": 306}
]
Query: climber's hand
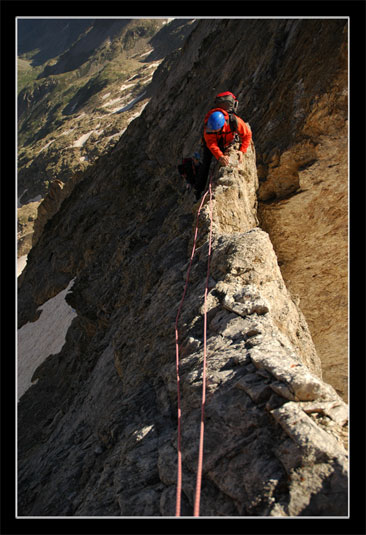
[
  {"x": 224, "y": 160},
  {"x": 241, "y": 157}
]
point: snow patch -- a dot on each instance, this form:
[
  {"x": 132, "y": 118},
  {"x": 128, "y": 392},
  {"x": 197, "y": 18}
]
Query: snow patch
[
  {"x": 115, "y": 135},
  {"x": 21, "y": 263},
  {"x": 20, "y": 198},
  {"x": 113, "y": 101},
  {"x": 146, "y": 53},
  {"x": 83, "y": 139},
  {"x": 42, "y": 338},
  {"x": 66, "y": 132},
  {"x": 80, "y": 142},
  {"x": 133, "y": 117},
  {"x": 120, "y": 100},
  {"x": 137, "y": 114},
  {"x": 125, "y": 86},
  {"x": 155, "y": 64},
  {"x": 46, "y": 146},
  {"x": 147, "y": 80},
  {"x": 130, "y": 104},
  {"x": 35, "y": 199}
]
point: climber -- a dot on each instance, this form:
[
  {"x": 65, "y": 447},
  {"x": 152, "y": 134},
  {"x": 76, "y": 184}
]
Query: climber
[
  {"x": 222, "y": 129},
  {"x": 189, "y": 169}
]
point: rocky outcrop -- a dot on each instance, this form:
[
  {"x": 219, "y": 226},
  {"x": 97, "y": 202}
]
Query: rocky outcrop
[
  {"x": 26, "y": 216},
  {"x": 29, "y": 98},
  {"x": 50, "y": 205},
  {"x": 262, "y": 381},
  {"x": 98, "y": 427}
]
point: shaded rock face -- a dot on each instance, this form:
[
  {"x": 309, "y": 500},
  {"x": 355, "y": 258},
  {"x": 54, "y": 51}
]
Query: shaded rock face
[
  {"x": 50, "y": 205},
  {"x": 98, "y": 430}
]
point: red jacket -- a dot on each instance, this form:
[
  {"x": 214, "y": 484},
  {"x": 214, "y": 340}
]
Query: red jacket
[{"x": 226, "y": 134}]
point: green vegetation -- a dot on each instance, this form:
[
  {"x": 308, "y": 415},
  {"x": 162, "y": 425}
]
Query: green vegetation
[
  {"x": 27, "y": 214},
  {"x": 26, "y": 73},
  {"x": 119, "y": 69}
]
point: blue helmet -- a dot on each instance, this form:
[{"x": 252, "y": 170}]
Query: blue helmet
[{"x": 216, "y": 121}]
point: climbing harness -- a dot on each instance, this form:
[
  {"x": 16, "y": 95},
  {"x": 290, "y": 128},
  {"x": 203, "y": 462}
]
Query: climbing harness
[{"x": 200, "y": 451}]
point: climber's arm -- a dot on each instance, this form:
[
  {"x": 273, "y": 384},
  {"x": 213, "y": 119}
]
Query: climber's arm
[{"x": 211, "y": 142}]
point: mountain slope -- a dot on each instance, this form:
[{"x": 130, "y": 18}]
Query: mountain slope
[
  {"x": 96, "y": 77},
  {"x": 97, "y": 429},
  {"x": 88, "y": 89}
]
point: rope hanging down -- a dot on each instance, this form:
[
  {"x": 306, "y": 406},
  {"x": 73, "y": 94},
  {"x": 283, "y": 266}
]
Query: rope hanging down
[{"x": 200, "y": 453}]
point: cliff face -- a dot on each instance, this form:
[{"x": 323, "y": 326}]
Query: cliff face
[{"x": 98, "y": 428}]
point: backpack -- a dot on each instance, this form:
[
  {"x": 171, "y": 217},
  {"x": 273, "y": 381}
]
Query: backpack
[{"x": 226, "y": 101}]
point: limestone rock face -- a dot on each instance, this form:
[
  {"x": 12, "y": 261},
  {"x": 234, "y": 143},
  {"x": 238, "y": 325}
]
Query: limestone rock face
[
  {"x": 310, "y": 234},
  {"x": 98, "y": 430},
  {"x": 309, "y": 230}
]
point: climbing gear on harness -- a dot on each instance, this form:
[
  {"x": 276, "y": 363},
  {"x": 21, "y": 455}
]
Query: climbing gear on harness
[
  {"x": 200, "y": 453},
  {"x": 216, "y": 121}
]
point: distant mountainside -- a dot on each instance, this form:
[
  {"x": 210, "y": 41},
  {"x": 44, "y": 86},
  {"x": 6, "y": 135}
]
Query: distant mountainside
[
  {"x": 44, "y": 39},
  {"x": 80, "y": 82}
]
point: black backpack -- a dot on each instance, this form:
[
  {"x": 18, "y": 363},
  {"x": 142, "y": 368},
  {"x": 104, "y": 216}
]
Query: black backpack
[
  {"x": 226, "y": 101},
  {"x": 189, "y": 169}
]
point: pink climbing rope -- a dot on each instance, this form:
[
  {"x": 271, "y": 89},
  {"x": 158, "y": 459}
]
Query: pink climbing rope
[
  {"x": 179, "y": 468},
  {"x": 179, "y": 471},
  {"x": 202, "y": 427}
]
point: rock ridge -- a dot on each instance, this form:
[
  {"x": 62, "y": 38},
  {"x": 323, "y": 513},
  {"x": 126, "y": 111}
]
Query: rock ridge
[
  {"x": 253, "y": 352},
  {"x": 97, "y": 431},
  {"x": 272, "y": 423}
]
